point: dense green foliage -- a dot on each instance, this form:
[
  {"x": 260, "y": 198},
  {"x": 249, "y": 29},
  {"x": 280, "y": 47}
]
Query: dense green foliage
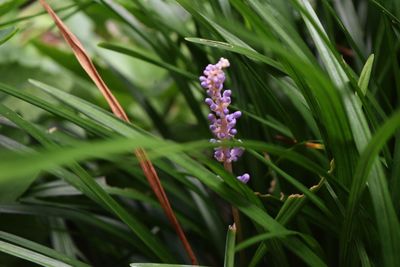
[{"x": 318, "y": 83}]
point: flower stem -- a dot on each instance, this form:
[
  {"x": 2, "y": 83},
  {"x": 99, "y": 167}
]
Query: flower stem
[{"x": 236, "y": 216}]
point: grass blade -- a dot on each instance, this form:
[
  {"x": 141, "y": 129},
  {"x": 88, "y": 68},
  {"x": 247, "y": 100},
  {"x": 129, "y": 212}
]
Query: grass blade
[
  {"x": 259, "y": 238},
  {"x": 34, "y": 247},
  {"x": 87, "y": 184},
  {"x": 237, "y": 49},
  {"x": 230, "y": 247},
  {"x": 7, "y": 34},
  {"x": 148, "y": 58},
  {"x": 366, "y": 74},
  {"x": 30, "y": 255},
  {"x": 377, "y": 186}
]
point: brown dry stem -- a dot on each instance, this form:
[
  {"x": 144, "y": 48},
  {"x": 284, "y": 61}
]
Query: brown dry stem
[{"x": 145, "y": 163}]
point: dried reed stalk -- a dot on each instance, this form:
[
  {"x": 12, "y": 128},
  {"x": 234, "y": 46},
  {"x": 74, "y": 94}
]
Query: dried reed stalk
[{"x": 145, "y": 163}]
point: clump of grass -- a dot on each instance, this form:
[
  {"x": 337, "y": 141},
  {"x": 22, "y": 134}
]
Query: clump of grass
[{"x": 316, "y": 83}]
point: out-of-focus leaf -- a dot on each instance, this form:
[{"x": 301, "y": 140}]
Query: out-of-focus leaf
[
  {"x": 33, "y": 247},
  {"x": 366, "y": 74},
  {"x": 9, "y": 5},
  {"x": 7, "y": 34},
  {"x": 30, "y": 255},
  {"x": 134, "y": 52},
  {"x": 11, "y": 189}
]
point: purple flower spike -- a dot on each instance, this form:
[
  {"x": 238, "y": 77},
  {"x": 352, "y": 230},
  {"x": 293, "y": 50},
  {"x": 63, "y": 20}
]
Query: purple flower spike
[
  {"x": 222, "y": 123},
  {"x": 244, "y": 178}
]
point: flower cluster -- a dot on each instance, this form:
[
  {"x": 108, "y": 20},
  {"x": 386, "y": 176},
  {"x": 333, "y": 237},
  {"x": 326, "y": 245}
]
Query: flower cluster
[{"x": 222, "y": 123}]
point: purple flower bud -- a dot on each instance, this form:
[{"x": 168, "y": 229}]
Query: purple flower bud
[
  {"x": 237, "y": 152},
  {"x": 226, "y": 100},
  {"x": 233, "y": 131},
  {"x": 226, "y": 93},
  {"x": 209, "y": 101},
  {"x": 237, "y": 114},
  {"x": 232, "y": 123},
  {"x": 223, "y": 63},
  {"x": 211, "y": 117},
  {"x": 244, "y": 178},
  {"x": 219, "y": 155}
]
